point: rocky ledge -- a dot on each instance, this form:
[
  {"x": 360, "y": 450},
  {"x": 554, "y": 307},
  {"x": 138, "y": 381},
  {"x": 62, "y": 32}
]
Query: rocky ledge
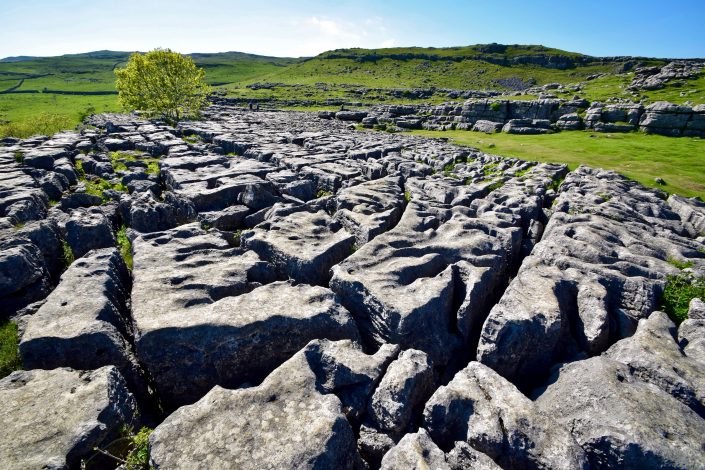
[
  {"x": 540, "y": 116},
  {"x": 273, "y": 290}
]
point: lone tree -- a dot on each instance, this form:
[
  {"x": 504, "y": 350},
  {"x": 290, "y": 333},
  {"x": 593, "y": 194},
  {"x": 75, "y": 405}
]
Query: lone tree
[{"x": 163, "y": 84}]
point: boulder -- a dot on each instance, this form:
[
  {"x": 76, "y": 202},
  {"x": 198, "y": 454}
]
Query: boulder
[
  {"x": 406, "y": 385},
  {"x": 464, "y": 456},
  {"x": 570, "y": 122},
  {"x": 415, "y": 452},
  {"x": 55, "y": 418},
  {"x": 488, "y": 127},
  {"x": 486, "y": 411},
  {"x": 87, "y": 230},
  {"x": 621, "y": 421},
  {"x": 355, "y": 116},
  {"x": 285, "y": 422}
]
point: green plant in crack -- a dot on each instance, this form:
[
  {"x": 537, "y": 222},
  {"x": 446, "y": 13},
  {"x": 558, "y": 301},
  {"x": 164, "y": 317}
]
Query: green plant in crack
[
  {"x": 192, "y": 139},
  {"x": 118, "y": 159},
  {"x": 9, "y": 356},
  {"x": 152, "y": 166},
  {"x": 490, "y": 169},
  {"x": 680, "y": 264},
  {"x": 680, "y": 289},
  {"x": 125, "y": 246},
  {"x": 67, "y": 253},
  {"x": 131, "y": 450}
]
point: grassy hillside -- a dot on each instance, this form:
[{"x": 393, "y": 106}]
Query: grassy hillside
[
  {"x": 35, "y": 86},
  {"x": 60, "y": 91}
]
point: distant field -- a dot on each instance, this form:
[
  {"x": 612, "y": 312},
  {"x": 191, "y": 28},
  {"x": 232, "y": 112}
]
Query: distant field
[
  {"x": 42, "y": 80},
  {"x": 680, "y": 162},
  {"x": 366, "y": 76}
]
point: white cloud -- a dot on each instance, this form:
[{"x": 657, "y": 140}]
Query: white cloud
[{"x": 317, "y": 34}]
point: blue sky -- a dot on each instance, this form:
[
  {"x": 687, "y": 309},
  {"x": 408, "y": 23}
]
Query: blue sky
[{"x": 655, "y": 28}]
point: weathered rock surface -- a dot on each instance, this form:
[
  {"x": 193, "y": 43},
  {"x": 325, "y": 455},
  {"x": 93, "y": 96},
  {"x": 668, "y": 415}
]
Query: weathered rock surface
[
  {"x": 234, "y": 340},
  {"x": 88, "y": 230},
  {"x": 653, "y": 356},
  {"x": 302, "y": 245},
  {"x": 481, "y": 408},
  {"x": 599, "y": 268},
  {"x": 84, "y": 323},
  {"x": 406, "y": 385},
  {"x": 370, "y": 208},
  {"x": 415, "y": 451},
  {"x": 54, "y": 418},
  {"x": 288, "y": 421},
  {"x": 393, "y": 260},
  {"x": 622, "y": 421}
]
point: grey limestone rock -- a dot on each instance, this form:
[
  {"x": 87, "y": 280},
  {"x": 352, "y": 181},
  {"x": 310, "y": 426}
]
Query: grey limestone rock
[
  {"x": 691, "y": 211},
  {"x": 620, "y": 420},
  {"x": 481, "y": 408},
  {"x": 146, "y": 214},
  {"x": 303, "y": 245},
  {"x": 342, "y": 368},
  {"x": 23, "y": 275},
  {"x": 654, "y": 356},
  {"x": 285, "y": 422},
  {"x": 370, "y": 208},
  {"x": 696, "y": 309},
  {"x": 464, "y": 456},
  {"x": 488, "y": 127},
  {"x": 87, "y": 230},
  {"x": 84, "y": 322},
  {"x": 54, "y": 418},
  {"x": 400, "y": 285},
  {"x": 407, "y": 383},
  {"x": 415, "y": 452},
  {"x": 235, "y": 340}
]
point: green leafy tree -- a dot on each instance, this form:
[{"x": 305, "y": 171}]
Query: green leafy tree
[{"x": 163, "y": 84}]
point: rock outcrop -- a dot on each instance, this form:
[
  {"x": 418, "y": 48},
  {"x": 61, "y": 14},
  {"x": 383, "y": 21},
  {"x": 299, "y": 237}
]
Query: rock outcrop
[{"x": 279, "y": 290}]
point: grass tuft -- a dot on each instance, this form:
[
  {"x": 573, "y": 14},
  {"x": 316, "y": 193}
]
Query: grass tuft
[
  {"x": 9, "y": 355},
  {"x": 67, "y": 253},
  {"x": 39, "y": 124},
  {"x": 679, "y": 291},
  {"x": 125, "y": 246},
  {"x": 679, "y": 263}
]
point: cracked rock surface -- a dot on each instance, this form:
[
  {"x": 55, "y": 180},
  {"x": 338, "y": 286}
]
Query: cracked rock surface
[{"x": 276, "y": 290}]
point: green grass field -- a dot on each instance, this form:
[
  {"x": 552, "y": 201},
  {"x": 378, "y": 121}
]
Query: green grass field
[
  {"x": 679, "y": 161},
  {"x": 352, "y": 75}
]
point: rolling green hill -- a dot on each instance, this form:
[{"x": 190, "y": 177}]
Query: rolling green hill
[{"x": 72, "y": 86}]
